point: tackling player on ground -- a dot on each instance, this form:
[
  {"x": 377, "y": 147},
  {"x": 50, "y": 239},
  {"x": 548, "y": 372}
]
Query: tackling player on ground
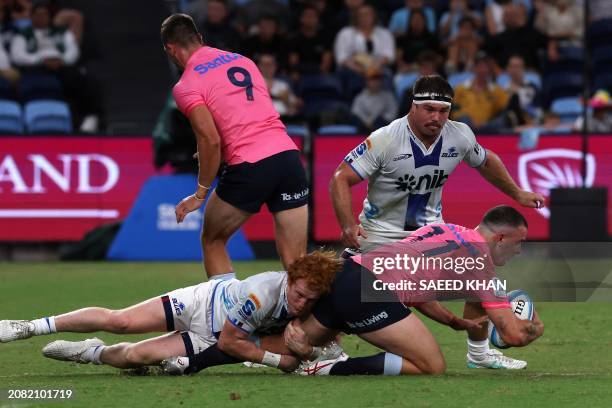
[
  {"x": 223, "y": 318},
  {"x": 226, "y": 100},
  {"x": 387, "y": 323},
  {"x": 406, "y": 165}
]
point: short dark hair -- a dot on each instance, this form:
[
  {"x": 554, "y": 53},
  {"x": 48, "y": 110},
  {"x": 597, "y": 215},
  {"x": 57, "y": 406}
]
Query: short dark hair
[
  {"x": 433, "y": 84},
  {"x": 504, "y": 215},
  {"x": 179, "y": 29}
]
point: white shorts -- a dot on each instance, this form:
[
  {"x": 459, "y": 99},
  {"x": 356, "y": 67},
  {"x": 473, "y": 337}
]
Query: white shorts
[{"x": 188, "y": 311}]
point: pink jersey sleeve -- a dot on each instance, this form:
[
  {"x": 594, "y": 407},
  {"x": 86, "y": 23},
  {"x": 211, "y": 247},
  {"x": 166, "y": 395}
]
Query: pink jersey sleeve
[{"x": 186, "y": 98}]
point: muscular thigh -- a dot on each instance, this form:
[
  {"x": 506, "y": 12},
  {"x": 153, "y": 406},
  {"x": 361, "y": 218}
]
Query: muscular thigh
[
  {"x": 147, "y": 316},
  {"x": 222, "y": 219},
  {"x": 408, "y": 338}
]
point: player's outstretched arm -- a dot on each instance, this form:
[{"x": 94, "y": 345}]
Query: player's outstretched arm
[
  {"x": 494, "y": 171},
  {"x": 236, "y": 343},
  {"x": 435, "y": 311},
  {"x": 513, "y": 331},
  {"x": 340, "y": 191},
  {"x": 209, "y": 159}
]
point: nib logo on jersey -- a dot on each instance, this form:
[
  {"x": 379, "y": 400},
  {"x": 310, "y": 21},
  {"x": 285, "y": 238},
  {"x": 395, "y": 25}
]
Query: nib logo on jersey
[
  {"x": 543, "y": 170},
  {"x": 423, "y": 183},
  {"x": 452, "y": 152}
]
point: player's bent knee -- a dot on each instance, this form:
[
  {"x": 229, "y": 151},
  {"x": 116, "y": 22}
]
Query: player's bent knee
[
  {"x": 431, "y": 366},
  {"x": 119, "y": 322},
  {"x": 434, "y": 366}
]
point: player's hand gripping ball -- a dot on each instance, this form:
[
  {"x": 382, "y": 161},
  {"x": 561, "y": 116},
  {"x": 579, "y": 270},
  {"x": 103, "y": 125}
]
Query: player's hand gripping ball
[{"x": 522, "y": 307}]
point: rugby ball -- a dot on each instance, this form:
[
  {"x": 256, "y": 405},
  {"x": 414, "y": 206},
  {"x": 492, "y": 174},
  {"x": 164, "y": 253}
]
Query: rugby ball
[{"x": 522, "y": 307}]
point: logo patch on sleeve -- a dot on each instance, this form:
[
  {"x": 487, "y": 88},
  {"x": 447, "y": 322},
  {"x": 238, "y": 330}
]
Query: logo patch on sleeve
[{"x": 255, "y": 300}]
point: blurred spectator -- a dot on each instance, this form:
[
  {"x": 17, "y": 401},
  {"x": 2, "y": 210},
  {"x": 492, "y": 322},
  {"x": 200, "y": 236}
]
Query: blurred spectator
[
  {"x": 599, "y": 116},
  {"x": 416, "y": 40},
  {"x": 523, "y": 107},
  {"x": 44, "y": 45},
  {"x": 480, "y": 102},
  {"x": 450, "y": 21},
  {"x": 6, "y": 70},
  {"x": 600, "y": 10},
  {"x": 53, "y": 50},
  {"x": 284, "y": 100},
  {"x": 365, "y": 44},
  {"x": 268, "y": 40},
  {"x": 428, "y": 63},
  {"x": 309, "y": 47},
  {"x": 21, "y": 10},
  {"x": 251, "y": 12},
  {"x": 398, "y": 24},
  {"x": 563, "y": 22},
  {"x": 68, "y": 18},
  {"x": 494, "y": 13},
  {"x": 518, "y": 38},
  {"x": 6, "y": 25},
  {"x": 216, "y": 28},
  {"x": 462, "y": 47},
  {"x": 375, "y": 106},
  {"x": 346, "y": 15}
]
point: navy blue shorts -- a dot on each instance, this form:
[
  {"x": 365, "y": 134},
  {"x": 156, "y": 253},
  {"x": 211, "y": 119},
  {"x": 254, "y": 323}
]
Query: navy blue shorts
[
  {"x": 343, "y": 309},
  {"x": 279, "y": 181}
]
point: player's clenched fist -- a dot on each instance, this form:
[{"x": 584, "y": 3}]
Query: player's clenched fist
[
  {"x": 532, "y": 200},
  {"x": 296, "y": 340},
  {"x": 350, "y": 234},
  {"x": 187, "y": 205}
]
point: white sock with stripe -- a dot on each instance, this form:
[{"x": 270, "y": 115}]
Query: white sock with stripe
[{"x": 46, "y": 325}]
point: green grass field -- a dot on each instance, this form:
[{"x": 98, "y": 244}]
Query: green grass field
[{"x": 571, "y": 365}]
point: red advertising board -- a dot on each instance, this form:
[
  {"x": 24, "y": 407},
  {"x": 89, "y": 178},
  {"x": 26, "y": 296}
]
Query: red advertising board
[
  {"x": 555, "y": 162},
  {"x": 58, "y": 188}
]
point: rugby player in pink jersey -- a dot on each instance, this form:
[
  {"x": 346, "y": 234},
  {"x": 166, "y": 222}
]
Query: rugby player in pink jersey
[
  {"x": 226, "y": 100},
  {"x": 380, "y": 318}
]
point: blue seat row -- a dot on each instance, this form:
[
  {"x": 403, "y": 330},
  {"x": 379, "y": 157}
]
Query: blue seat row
[{"x": 40, "y": 116}]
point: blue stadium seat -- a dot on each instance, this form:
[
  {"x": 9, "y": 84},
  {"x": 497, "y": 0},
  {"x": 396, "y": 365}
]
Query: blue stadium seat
[
  {"x": 297, "y": 130},
  {"x": 561, "y": 84},
  {"x": 403, "y": 82},
  {"x": 568, "y": 109},
  {"x": 39, "y": 86},
  {"x": 459, "y": 78},
  {"x": 10, "y": 117},
  {"x": 338, "y": 130},
  {"x": 48, "y": 116}
]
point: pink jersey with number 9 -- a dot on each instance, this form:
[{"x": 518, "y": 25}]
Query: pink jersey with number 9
[{"x": 234, "y": 91}]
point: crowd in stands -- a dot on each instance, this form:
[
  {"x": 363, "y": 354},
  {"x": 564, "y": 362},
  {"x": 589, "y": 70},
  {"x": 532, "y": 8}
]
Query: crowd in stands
[
  {"x": 514, "y": 64},
  {"x": 42, "y": 79}
]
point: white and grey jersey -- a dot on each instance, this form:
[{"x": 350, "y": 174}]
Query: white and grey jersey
[
  {"x": 405, "y": 179},
  {"x": 255, "y": 305}
]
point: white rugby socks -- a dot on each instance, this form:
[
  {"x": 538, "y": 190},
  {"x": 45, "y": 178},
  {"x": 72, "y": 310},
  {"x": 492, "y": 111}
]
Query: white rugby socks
[
  {"x": 45, "y": 325},
  {"x": 93, "y": 354},
  {"x": 478, "y": 349}
]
